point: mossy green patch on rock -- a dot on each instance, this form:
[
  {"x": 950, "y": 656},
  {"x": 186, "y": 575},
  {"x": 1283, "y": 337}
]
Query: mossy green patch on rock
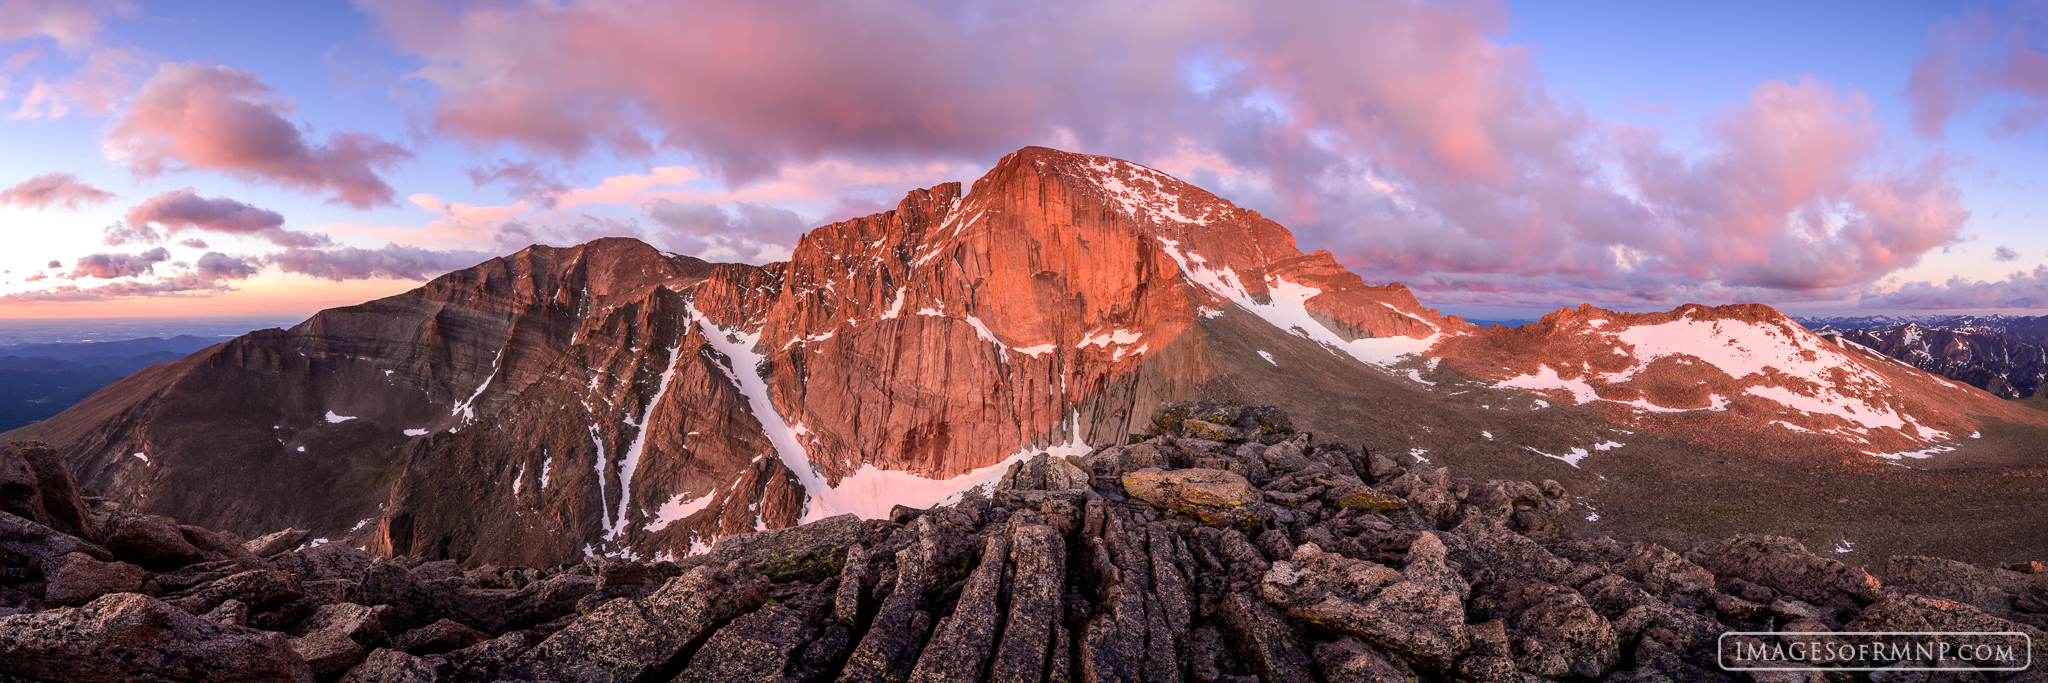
[
  {"x": 810, "y": 567},
  {"x": 1169, "y": 419},
  {"x": 1360, "y": 497},
  {"x": 1217, "y": 497}
]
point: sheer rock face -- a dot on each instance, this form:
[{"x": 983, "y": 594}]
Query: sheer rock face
[
  {"x": 610, "y": 398},
  {"x": 1035, "y": 582},
  {"x": 614, "y": 398}
]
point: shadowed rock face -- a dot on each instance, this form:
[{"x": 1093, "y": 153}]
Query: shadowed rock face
[
  {"x": 1044, "y": 578},
  {"x": 612, "y": 399}
]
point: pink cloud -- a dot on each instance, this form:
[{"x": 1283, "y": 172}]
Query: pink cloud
[
  {"x": 1791, "y": 200},
  {"x": 2018, "y": 290},
  {"x": 214, "y": 265},
  {"x": 61, "y": 189},
  {"x": 747, "y": 88},
  {"x": 73, "y": 24},
  {"x": 392, "y": 261},
  {"x": 223, "y": 119},
  {"x": 1400, "y": 134},
  {"x": 1977, "y": 56},
  {"x": 184, "y": 209},
  {"x": 172, "y": 287}
]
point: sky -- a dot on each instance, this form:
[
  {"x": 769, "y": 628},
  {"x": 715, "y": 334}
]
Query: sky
[{"x": 1501, "y": 159}]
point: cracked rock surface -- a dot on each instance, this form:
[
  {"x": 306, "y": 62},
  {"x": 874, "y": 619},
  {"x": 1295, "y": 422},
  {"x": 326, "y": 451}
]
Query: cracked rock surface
[{"x": 1228, "y": 548}]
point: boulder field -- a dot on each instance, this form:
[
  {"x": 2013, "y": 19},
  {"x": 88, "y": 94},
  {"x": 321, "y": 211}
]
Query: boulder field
[{"x": 1225, "y": 547}]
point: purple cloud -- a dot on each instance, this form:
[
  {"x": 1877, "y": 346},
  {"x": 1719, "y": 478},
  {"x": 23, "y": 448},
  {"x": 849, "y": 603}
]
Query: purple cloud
[
  {"x": 61, "y": 189},
  {"x": 108, "y": 266}
]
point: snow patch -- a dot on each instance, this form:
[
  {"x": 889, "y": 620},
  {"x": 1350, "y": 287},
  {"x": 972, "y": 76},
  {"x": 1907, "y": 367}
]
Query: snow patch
[
  {"x": 1831, "y": 404},
  {"x": 145, "y": 458},
  {"x": 677, "y": 509},
  {"x": 981, "y": 330},
  {"x": 337, "y": 419},
  {"x": 1269, "y": 358},
  {"x": 467, "y": 407},
  {"x": 1546, "y": 378},
  {"x": 1416, "y": 453},
  {"x": 1288, "y": 310},
  {"x": 598, "y": 463},
  {"x": 415, "y": 432},
  {"x": 1921, "y": 454},
  {"x": 1571, "y": 459},
  {"x": 302, "y": 449},
  {"x": 870, "y": 492},
  {"x": 1119, "y": 337},
  {"x": 1156, "y": 203},
  {"x": 896, "y": 309},
  {"x": 1036, "y": 351},
  {"x": 359, "y": 525},
  {"x": 738, "y": 347},
  {"x": 638, "y": 449}
]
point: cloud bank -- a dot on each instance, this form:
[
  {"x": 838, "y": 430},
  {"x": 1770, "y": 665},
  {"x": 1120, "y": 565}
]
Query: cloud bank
[
  {"x": 1399, "y": 134},
  {"x": 2018, "y": 290},
  {"x": 216, "y": 118}
]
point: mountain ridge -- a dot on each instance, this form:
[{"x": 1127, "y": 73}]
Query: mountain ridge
[{"x": 612, "y": 399}]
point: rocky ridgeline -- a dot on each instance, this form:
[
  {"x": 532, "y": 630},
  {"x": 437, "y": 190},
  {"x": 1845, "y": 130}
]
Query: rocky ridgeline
[{"x": 1228, "y": 548}]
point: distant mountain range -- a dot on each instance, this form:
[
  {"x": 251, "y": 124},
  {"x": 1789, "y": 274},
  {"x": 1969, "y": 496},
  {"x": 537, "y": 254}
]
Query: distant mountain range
[
  {"x": 41, "y": 380},
  {"x": 2032, "y": 329},
  {"x": 2002, "y": 354}
]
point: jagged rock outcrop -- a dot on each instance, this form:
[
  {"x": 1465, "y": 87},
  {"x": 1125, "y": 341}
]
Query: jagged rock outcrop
[
  {"x": 1999, "y": 362},
  {"x": 1058, "y": 573}
]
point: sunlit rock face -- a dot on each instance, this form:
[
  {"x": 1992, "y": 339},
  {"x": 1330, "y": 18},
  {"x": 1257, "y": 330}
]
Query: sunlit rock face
[{"x": 610, "y": 398}]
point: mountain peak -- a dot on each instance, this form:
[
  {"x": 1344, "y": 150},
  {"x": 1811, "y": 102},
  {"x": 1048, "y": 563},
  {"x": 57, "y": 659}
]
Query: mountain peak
[{"x": 610, "y": 398}]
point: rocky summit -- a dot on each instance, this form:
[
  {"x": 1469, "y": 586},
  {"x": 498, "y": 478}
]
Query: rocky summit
[
  {"x": 612, "y": 399},
  {"x": 1225, "y": 545}
]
